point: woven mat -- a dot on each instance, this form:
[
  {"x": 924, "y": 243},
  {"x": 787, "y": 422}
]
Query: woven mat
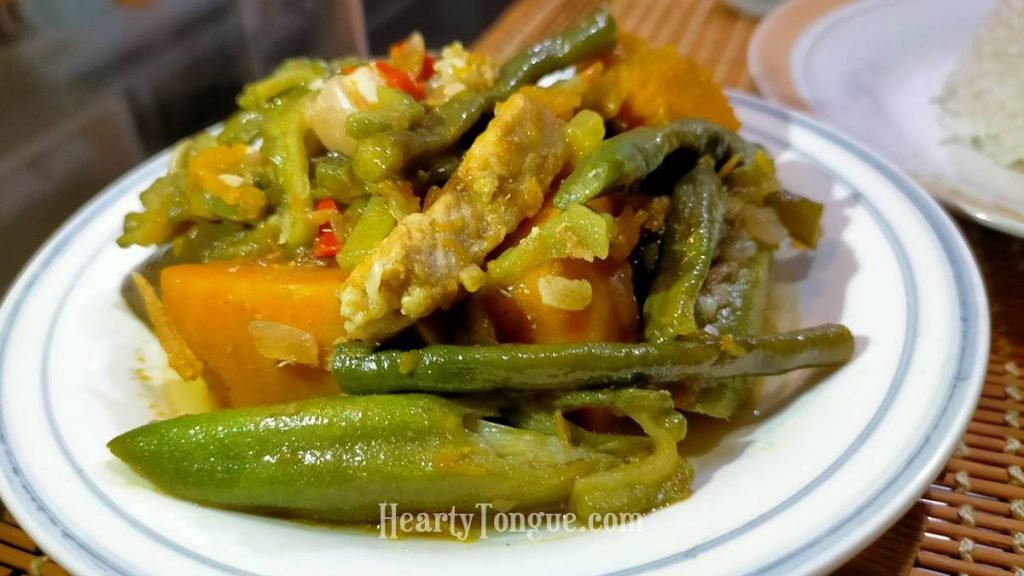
[
  {"x": 971, "y": 520},
  {"x": 19, "y": 554}
]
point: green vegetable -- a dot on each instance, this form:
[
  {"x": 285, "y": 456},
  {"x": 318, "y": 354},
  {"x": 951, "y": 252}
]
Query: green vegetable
[
  {"x": 629, "y": 157},
  {"x": 721, "y": 398},
  {"x": 172, "y": 202},
  {"x": 350, "y": 217},
  {"x": 209, "y": 198},
  {"x": 294, "y": 73},
  {"x": 165, "y": 205},
  {"x": 437, "y": 170},
  {"x": 538, "y": 412},
  {"x": 753, "y": 179},
  {"x": 748, "y": 296},
  {"x": 162, "y": 207},
  {"x": 168, "y": 203},
  {"x": 333, "y": 178},
  {"x": 800, "y": 216},
  {"x": 385, "y": 154},
  {"x": 382, "y": 155},
  {"x": 342, "y": 457},
  {"x": 241, "y": 128},
  {"x": 395, "y": 110},
  {"x": 250, "y": 213},
  {"x": 743, "y": 315},
  {"x": 586, "y": 39},
  {"x": 219, "y": 241},
  {"x": 654, "y": 481},
  {"x": 373, "y": 225},
  {"x": 464, "y": 369},
  {"x": 284, "y": 133},
  {"x": 585, "y": 132},
  {"x": 687, "y": 249},
  {"x": 578, "y": 232}
]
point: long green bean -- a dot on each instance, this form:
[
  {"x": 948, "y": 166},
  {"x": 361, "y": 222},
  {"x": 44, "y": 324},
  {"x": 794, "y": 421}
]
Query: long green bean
[
  {"x": 743, "y": 314},
  {"x": 630, "y": 156},
  {"x": 385, "y": 154},
  {"x": 687, "y": 249},
  {"x": 464, "y": 369}
]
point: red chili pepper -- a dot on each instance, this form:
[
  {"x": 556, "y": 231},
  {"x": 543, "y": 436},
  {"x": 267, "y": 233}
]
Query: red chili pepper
[
  {"x": 326, "y": 244},
  {"x": 399, "y": 80},
  {"x": 428, "y": 68}
]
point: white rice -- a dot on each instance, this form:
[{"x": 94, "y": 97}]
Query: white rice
[{"x": 983, "y": 100}]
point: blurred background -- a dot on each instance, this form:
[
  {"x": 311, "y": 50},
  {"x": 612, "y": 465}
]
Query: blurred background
[{"x": 90, "y": 88}]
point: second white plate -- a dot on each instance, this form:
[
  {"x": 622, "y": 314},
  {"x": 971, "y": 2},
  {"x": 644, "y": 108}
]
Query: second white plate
[{"x": 875, "y": 68}]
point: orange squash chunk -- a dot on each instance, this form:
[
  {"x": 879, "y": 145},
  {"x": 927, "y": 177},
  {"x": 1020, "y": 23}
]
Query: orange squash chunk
[
  {"x": 212, "y": 305},
  {"x": 519, "y": 313},
  {"x": 643, "y": 85}
]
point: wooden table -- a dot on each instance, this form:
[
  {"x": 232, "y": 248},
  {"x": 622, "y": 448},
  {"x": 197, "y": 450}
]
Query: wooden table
[{"x": 971, "y": 520}]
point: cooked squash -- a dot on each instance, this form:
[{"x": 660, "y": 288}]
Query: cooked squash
[
  {"x": 641, "y": 85},
  {"x": 522, "y": 312},
  {"x": 212, "y": 306}
]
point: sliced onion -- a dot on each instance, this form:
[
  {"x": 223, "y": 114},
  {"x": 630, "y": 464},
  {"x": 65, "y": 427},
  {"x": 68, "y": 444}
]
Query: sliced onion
[
  {"x": 564, "y": 293},
  {"x": 738, "y": 249},
  {"x": 707, "y": 305},
  {"x": 763, "y": 225},
  {"x": 721, "y": 272},
  {"x": 339, "y": 97},
  {"x": 722, "y": 294},
  {"x": 284, "y": 343}
]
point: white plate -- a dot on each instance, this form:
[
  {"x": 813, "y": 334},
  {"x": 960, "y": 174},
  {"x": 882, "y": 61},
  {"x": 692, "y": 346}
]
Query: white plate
[
  {"x": 773, "y": 41},
  {"x": 801, "y": 488},
  {"x": 874, "y": 69}
]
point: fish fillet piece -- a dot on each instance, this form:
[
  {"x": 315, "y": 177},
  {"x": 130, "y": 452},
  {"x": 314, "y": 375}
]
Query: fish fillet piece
[{"x": 425, "y": 261}]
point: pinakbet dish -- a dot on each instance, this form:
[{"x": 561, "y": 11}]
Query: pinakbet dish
[{"x": 468, "y": 288}]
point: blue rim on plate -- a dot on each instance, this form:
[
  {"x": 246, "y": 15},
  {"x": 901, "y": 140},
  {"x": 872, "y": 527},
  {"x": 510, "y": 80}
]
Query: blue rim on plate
[{"x": 886, "y": 502}]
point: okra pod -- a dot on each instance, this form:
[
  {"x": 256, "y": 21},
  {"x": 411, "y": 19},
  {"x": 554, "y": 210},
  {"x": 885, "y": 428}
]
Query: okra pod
[{"x": 342, "y": 458}]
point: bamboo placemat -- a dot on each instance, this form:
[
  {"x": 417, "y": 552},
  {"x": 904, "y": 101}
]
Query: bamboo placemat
[
  {"x": 971, "y": 520},
  {"x": 19, "y": 555}
]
